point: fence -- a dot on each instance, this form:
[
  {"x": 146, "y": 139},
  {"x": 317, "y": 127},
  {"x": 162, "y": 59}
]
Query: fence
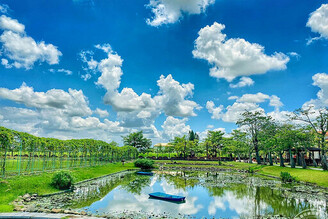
[{"x": 18, "y": 161}]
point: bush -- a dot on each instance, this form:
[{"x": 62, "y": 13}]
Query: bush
[
  {"x": 144, "y": 163},
  {"x": 251, "y": 170},
  {"x": 286, "y": 177},
  {"x": 62, "y": 180}
]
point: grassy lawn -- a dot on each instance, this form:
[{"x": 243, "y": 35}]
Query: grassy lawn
[
  {"x": 312, "y": 176},
  {"x": 11, "y": 188},
  {"x": 306, "y": 175}
]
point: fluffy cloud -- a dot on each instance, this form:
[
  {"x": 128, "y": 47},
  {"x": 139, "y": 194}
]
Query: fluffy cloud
[
  {"x": 172, "y": 98},
  {"x": 320, "y": 80},
  {"x": 253, "y": 98},
  {"x": 7, "y": 23},
  {"x": 243, "y": 82},
  {"x": 57, "y": 113},
  {"x": 275, "y": 102},
  {"x": 21, "y": 49},
  {"x": 51, "y": 123},
  {"x": 110, "y": 79},
  {"x": 174, "y": 127},
  {"x": 318, "y": 21},
  {"x": 101, "y": 113},
  {"x": 234, "y": 57},
  {"x": 170, "y": 11},
  {"x": 72, "y": 103},
  {"x": 215, "y": 111},
  {"x": 247, "y": 102}
]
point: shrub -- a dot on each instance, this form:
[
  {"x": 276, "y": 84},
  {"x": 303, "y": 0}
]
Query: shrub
[
  {"x": 144, "y": 163},
  {"x": 62, "y": 180},
  {"x": 286, "y": 177},
  {"x": 251, "y": 170}
]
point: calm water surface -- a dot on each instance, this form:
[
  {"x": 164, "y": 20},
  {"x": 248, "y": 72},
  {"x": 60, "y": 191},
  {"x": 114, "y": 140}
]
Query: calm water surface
[{"x": 217, "y": 195}]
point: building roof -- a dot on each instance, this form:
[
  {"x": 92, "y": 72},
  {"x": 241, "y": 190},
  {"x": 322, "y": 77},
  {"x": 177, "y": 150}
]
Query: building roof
[{"x": 163, "y": 145}]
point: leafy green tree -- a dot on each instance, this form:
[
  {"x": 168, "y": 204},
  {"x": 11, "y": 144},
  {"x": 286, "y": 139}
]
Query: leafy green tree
[
  {"x": 254, "y": 122},
  {"x": 241, "y": 142},
  {"x": 192, "y": 136},
  {"x": 180, "y": 145},
  {"x": 215, "y": 140},
  {"x": 137, "y": 140},
  {"x": 268, "y": 139},
  {"x": 318, "y": 120}
]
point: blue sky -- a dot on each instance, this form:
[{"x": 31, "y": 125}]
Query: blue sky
[{"x": 217, "y": 57}]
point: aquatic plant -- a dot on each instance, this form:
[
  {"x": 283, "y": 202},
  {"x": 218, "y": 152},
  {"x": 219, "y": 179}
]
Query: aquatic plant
[{"x": 286, "y": 177}]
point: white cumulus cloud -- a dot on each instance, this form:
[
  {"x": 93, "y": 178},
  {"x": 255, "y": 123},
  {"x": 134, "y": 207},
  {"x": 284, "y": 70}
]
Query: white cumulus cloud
[
  {"x": 234, "y": 57},
  {"x": 318, "y": 21},
  {"x": 101, "y": 113},
  {"x": 173, "y": 127},
  {"x": 170, "y": 11},
  {"x": 172, "y": 97},
  {"x": 7, "y": 23},
  {"x": 320, "y": 80},
  {"x": 243, "y": 82},
  {"x": 247, "y": 102},
  {"x": 22, "y": 51}
]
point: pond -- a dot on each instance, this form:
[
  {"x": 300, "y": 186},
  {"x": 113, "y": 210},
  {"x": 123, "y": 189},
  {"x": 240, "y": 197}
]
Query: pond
[{"x": 208, "y": 195}]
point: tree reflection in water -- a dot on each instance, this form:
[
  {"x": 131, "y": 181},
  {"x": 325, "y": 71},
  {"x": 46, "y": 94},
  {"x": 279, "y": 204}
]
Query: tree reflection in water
[{"x": 208, "y": 194}]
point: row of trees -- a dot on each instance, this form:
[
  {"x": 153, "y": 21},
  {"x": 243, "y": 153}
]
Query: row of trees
[
  {"x": 20, "y": 144},
  {"x": 264, "y": 138},
  {"x": 271, "y": 137}
]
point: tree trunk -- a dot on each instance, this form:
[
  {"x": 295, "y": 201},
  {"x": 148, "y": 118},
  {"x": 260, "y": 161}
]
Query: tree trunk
[
  {"x": 264, "y": 160},
  {"x": 314, "y": 162},
  {"x": 323, "y": 154},
  {"x": 292, "y": 163},
  {"x": 207, "y": 150},
  {"x": 250, "y": 157},
  {"x": 303, "y": 161},
  {"x": 258, "y": 158},
  {"x": 270, "y": 159},
  {"x": 324, "y": 162},
  {"x": 299, "y": 159},
  {"x": 4, "y": 162},
  {"x": 281, "y": 160}
]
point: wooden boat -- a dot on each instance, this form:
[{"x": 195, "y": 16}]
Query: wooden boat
[
  {"x": 145, "y": 173},
  {"x": 164, "y": 196}
]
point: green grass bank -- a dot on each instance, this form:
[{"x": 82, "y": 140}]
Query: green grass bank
[
  {"x": 11, "y": 188},
  {"x": 317, "y": 177}
]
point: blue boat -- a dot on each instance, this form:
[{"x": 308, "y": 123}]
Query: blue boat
[
  {"x": 164, "y": 196},
  {"x": 145, "y": 173}
]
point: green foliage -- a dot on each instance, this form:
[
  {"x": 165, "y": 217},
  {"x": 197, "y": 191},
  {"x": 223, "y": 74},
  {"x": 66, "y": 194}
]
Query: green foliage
[
  {"x": 192, "y": 136},
  {"x": 62, "y": 180},
  {"x": 138, "y": 141},
  {"x": 286, "y": 177},
  {"x": 144, "y": 163},
  {"x": 214, "y": 138},
  {"x": 251, "y": 170}
]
